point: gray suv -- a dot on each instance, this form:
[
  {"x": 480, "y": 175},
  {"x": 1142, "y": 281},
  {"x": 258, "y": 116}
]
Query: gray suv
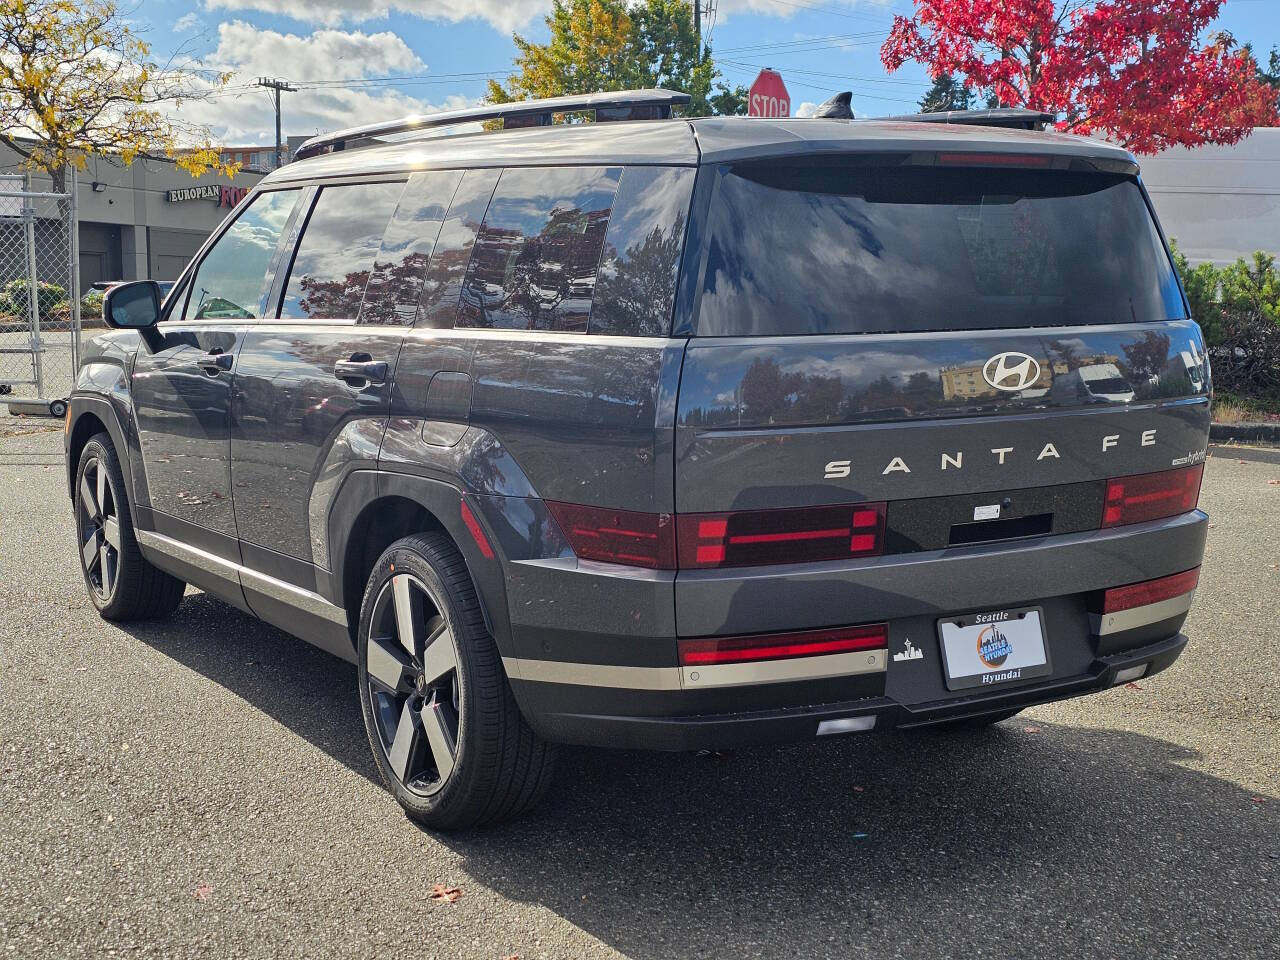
[{"x": 662, "y": 433}]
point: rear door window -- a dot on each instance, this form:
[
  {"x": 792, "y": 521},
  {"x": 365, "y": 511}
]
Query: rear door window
[
  {"x": 438, "y": 306},
  {"x": 841, "y": 247},
  {"x": 335, "y": 256},
  {"x": 395, "y": 285},
  {"x": 535, "y": 259},
  {"x": 231, "y": 282}
]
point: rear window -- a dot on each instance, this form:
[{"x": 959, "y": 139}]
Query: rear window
[{"x": 844, "y": 248}]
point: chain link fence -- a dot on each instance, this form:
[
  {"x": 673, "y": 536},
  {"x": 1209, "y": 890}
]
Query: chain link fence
[{"x": 39, "y": 293}]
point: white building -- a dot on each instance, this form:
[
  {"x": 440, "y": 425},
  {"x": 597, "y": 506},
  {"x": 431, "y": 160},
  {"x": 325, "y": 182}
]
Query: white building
[{"x": 1219, "y": 203}]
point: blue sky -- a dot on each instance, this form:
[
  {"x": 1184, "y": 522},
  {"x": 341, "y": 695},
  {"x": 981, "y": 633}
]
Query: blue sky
[{"x": 362, "y": 60}]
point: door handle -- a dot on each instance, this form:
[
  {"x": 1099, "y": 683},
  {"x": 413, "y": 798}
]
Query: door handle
[
  {"x": 215, "y": 362},
  {"x": 361, "y": 368}
]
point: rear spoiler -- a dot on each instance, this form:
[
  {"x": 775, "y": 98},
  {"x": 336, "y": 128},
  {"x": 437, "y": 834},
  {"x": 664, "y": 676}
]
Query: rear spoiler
[{"x": 1010, "y": 118}]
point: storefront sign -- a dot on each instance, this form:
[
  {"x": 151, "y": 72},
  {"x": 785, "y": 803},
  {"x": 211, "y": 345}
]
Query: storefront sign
[{"x": 226, "y": 196}]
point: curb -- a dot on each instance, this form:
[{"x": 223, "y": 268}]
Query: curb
[{"x": 1244, "y": 433}]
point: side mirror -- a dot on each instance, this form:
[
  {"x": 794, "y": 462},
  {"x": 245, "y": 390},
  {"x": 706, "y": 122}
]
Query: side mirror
[{"x": 132, "y": 306}]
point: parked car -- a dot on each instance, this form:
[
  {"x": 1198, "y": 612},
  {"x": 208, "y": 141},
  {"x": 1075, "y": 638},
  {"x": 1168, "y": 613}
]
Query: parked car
[{"x": 764, "y": 471}]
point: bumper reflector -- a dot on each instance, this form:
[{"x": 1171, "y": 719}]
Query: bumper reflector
[
  {"x": 1149, "y": 592},
  {"x": 846, "y": 725},
  {"x": 1130, "y": 674},
  {"x": 783, "y": 646}
]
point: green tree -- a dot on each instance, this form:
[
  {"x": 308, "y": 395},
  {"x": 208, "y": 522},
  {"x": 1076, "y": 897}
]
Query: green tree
[
  {"x": 1271, "y": 75},
  {"x": 618, "y": 45},
  {"x": 947, "y": 94}
]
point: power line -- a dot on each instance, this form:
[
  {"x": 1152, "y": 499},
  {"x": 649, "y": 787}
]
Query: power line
[{"x": 279, "y": 86}]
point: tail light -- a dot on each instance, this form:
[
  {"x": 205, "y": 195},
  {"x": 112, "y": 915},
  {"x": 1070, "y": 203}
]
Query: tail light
[
  {"x": 617, "y": 536},
  {"x": 1151, "y": 496},
  {"x": 1152, "y": 591},
  {"x": 782, "y": 646},
  {"x": 780, "y": 536}
]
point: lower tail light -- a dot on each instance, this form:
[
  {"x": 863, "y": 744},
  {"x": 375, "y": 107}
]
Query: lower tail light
[
  {"x": 1151, "y": 496},
  {"x": 707, "y": 651},
  {"x": 617, "y": 536},
  {"x": 800, "y": 535},
  {"x": 1151, "y": 591}
]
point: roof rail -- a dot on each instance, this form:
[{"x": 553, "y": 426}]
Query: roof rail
[
  {"x": 1012, "y": 118},
  {"x": 650, "y": 104}
]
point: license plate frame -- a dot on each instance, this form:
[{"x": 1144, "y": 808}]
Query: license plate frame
[{"x": 1016, "y": 653}]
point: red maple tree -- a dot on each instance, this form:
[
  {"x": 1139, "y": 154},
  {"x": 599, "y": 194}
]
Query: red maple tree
[{"x": 1135, "y": 71}]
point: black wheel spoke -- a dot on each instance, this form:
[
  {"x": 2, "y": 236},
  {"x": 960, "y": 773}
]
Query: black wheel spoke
[
  {"x": 405, "y": 755},
  {"x": 90, "y": 552},
  {"x": 408, "y": 607},
  {"x": 439, "y": 658},
  {"x": 442, "y": 736},
  {"x": 88, "y": 499},
  {"x": 388, "y": 666}
]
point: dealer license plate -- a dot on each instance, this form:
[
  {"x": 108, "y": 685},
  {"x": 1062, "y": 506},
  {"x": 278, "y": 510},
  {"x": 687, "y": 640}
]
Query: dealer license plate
[{"x": 992, "y": 648}]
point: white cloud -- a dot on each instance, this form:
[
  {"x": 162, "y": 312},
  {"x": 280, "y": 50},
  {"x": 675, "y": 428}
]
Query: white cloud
[
  {"x": 806, "y": 109},
  {"x": 505, "y": 15},
  {"x": 188, "y": 21},
  {"x": 243, "y": 114}
]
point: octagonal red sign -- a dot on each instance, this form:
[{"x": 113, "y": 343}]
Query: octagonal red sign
[{"x": 768, "y": 96}]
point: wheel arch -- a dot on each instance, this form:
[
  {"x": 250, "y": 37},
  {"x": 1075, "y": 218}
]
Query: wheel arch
[
  {"x": 87, "y": 417},
  {"x": 374, "y": 509}
]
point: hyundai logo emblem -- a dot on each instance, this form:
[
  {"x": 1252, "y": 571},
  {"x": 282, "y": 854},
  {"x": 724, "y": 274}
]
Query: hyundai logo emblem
[{"x": 1011, "y": 371}]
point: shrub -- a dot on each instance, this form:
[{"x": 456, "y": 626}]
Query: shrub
[
  {"x": 15, "y": 298},
  {"x": 91, "y": 306},
  {"x": 1238, "y": 307}
]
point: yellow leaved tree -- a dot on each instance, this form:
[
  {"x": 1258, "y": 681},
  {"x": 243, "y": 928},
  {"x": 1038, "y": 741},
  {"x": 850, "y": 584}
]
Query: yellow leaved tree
[{"x": 76, "y": 81}]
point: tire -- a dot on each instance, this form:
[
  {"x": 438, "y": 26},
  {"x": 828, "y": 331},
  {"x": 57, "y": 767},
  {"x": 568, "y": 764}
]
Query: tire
[
  {"x": 444, "y": 728},
  {"x": 122, "y": 584},
  {"x": 974, "y": 723}
]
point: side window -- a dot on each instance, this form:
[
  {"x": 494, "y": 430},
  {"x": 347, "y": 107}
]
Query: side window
[
  {"x": 231, "y": 281},
  {"x": 641, "y": 261},
  {"x": 400, "y": 267},
  {"x": 440, "y": 292},
  {"x": 535, "y": 261},
  {"x": 336, "y": 253}
]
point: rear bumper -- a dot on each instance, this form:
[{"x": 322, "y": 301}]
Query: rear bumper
[
  {"x": 802, "y": 723},
  {"x": 592, "y": 657}
]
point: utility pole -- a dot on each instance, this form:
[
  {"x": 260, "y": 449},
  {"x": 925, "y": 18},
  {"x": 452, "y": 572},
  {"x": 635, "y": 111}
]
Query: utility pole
[
  {"x": 278, "y": 85},
  {"x": 697, "y": 23}
]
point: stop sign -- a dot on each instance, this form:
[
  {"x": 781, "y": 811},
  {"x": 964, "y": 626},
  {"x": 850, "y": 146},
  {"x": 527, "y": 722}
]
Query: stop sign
[{"x": 768, "y": 96}]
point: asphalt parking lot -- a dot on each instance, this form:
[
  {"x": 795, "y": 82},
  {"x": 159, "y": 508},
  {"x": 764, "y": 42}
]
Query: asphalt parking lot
[{"x": 202, "y": 787}]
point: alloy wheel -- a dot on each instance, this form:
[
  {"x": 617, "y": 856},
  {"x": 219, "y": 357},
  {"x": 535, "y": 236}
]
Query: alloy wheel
[
  {"x": 99, "y": 529},
  {"x": 412, "y": 667}
]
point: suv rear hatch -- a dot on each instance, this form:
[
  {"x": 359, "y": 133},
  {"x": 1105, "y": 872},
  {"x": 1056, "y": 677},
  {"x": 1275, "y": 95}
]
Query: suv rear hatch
[{"x": 968, "y": 343}]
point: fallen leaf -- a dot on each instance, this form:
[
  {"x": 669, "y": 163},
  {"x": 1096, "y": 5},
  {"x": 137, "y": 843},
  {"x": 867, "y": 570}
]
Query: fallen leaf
[
  {"x": 446, "y": 894},
  {"x": 202, "y": 891},
  {"x": 858, "y": 789},
  {"x": 1274, "y": 483},
  {"x": 1258, "y": 799},
  {"x": 1132, "y": 686},
  {"x": 513, "y": 956},
  {"x": 1032, "y": 730}
]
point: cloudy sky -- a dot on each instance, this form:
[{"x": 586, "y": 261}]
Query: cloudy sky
[{"x": 363, "y": 60}]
